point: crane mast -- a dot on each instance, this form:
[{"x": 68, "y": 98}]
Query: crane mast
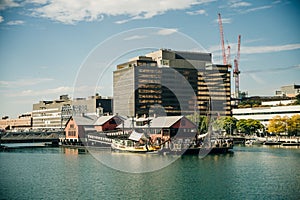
[
  {"x": 222, "y": 39},
  {"x": 228, "y": 56},
  {"x": 236, "y": 70}
]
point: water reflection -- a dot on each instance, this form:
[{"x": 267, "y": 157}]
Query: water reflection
[{"x": 133, "y": 162}]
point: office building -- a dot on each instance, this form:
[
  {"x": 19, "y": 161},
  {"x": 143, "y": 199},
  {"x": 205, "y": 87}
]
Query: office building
[
  {"x": 47, "y": 115},
  {"x": 54, "y": 114},
  {"x": 22, "y": 123},
  {"x": 289, "y": 91},
  {"x": 168, "y": 82}
]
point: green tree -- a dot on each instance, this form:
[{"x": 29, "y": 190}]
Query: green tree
[
  {"x": 249, "y": 126},
  {"x": 297, "y": 102},
  {"x": 226, "y": 123},
  {"x": 201, "y": 121}
]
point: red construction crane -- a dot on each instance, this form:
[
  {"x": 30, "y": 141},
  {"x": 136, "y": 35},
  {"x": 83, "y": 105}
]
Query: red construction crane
[
  {"x": 222, "y": 40},
  {"x": 236, "y": 70},
  {"x": 228, "y": 56}
]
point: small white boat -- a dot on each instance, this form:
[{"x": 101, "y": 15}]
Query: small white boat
[{"x": 249, "y": 142}]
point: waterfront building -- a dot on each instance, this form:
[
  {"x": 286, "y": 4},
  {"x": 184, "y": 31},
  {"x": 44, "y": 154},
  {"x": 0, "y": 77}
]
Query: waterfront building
[
  {"x": 78, "y": 127},
  {"x": 47, "y": 115},
  {"x": 289, "y": 90},
  {"x": 108, "y": 123},
  {"x": 22, "y": 123},
  {"x": 265, "y": 113},
  {"x": 53, "y": 115},
  {"x": 172, "y": 83},
  {"x": 162, "y": 128},
  {"x": 278, "y": 102}
]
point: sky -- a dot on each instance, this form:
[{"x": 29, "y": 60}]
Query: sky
[{"x": 47, "y": 46}]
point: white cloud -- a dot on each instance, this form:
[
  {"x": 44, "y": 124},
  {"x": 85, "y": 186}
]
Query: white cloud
[
  {"x": 269, "y": 49},
  {"x": 37, "y": 1},
  {"x": 15, "y": 22},
  {"x": 135, "y": 37},
  {"x": 24, "y": 82},
  {"x": 1, "y": 19},
  {"x": 257, "y": 8},
  {"x": 238, "y": 4},
  {"x": 276, "y": 2},
  {"x": 122, "y": 21},
  {"x": 70, "y": 12},
  {"x": 167, "y": 31},
  {"x": 197, "y": 12},
  {"x": 4, "y": 4},
  {"x": 216, "y": 50},
  {"x": 257, "y": 78},
  {"x": 42, "y": 93},
  {"x": 224, "y": 21}
]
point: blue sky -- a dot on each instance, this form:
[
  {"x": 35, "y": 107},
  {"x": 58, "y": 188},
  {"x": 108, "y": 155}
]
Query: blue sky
[{"x": 45, "y": 43}]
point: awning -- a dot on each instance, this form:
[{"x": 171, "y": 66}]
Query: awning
[
  {"x": 135, "y": 136},
  {"x": 202, "y": 136}
]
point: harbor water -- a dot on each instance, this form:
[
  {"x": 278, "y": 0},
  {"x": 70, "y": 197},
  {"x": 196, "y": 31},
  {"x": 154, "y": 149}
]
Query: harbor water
[{"x": 257, "y": 172}]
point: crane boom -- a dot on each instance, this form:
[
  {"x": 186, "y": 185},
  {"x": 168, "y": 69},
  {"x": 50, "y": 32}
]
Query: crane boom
[
  {"x": 236, "y": 70},
  {"x": 239, "y": 48},
  {"x": 228, "y": 56},
  {"x": 222, "y": 39}
]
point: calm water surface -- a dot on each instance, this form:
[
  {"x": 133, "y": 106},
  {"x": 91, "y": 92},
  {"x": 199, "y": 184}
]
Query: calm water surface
[{"x": 57, "y": 173}]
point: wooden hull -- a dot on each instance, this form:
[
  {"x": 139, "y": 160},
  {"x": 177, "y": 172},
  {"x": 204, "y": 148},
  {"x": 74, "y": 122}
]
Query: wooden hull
[
  {"x": 197, "y": 151},
  {"x": 132, "y": 149}
]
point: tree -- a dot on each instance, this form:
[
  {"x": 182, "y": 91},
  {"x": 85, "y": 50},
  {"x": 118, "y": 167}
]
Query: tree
[
  {"x": 226, "y": 123},
  {"x": 249, "y": 126},
  {"x": 294, "y": 125},
  {"x": 297, "y": 102},
  {"x": 278, "y": 125},
  {"x": 201, "y": 121}
]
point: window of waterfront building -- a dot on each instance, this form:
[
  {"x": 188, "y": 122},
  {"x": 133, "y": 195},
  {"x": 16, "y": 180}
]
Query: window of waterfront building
[{"x": 72, "y": 133}]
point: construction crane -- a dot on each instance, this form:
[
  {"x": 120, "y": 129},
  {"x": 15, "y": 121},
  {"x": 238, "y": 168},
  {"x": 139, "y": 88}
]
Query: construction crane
[
  {"x": 236, "y": 71},
  {"x": 228, "y": 59},
  {"x": 222, "y": 39}
]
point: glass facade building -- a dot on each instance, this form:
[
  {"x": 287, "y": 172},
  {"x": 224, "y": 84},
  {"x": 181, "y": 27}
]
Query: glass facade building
[{"x": 167, "y": 82}]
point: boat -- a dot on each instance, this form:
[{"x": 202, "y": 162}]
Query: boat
[
  {"x": 290, "y": 144},
  {"x": 199, "y": 144},
  {"x": 136, "y": 143},
  {"x": 249, "y": 142},
  {"x": 254, "y": 141},
  {"x": 272, "y": 143}
]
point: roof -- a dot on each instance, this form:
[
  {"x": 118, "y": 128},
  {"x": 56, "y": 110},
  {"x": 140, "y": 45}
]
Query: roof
[
  {"x": 157, "y": 122},
  {"x": 103, "y": 119},
  {"x": 89, "y": 129},
  {"x": 164, "y": 122},
  {"x": 135, "y": 136},
  {"x": 85, "y": 119}
]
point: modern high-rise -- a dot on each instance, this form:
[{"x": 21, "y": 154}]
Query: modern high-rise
[{"x": 167, "y": 82}]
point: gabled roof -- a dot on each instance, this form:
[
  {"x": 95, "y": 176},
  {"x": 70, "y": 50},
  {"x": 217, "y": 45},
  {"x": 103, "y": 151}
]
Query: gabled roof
[
  {"x": 103, "y": 119},
  {"x": 127, "y": 123},
  {"x": 85, "y": 120},
  {"x": 164, "y": 122},
  {"x": 157, "y": 122}
]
